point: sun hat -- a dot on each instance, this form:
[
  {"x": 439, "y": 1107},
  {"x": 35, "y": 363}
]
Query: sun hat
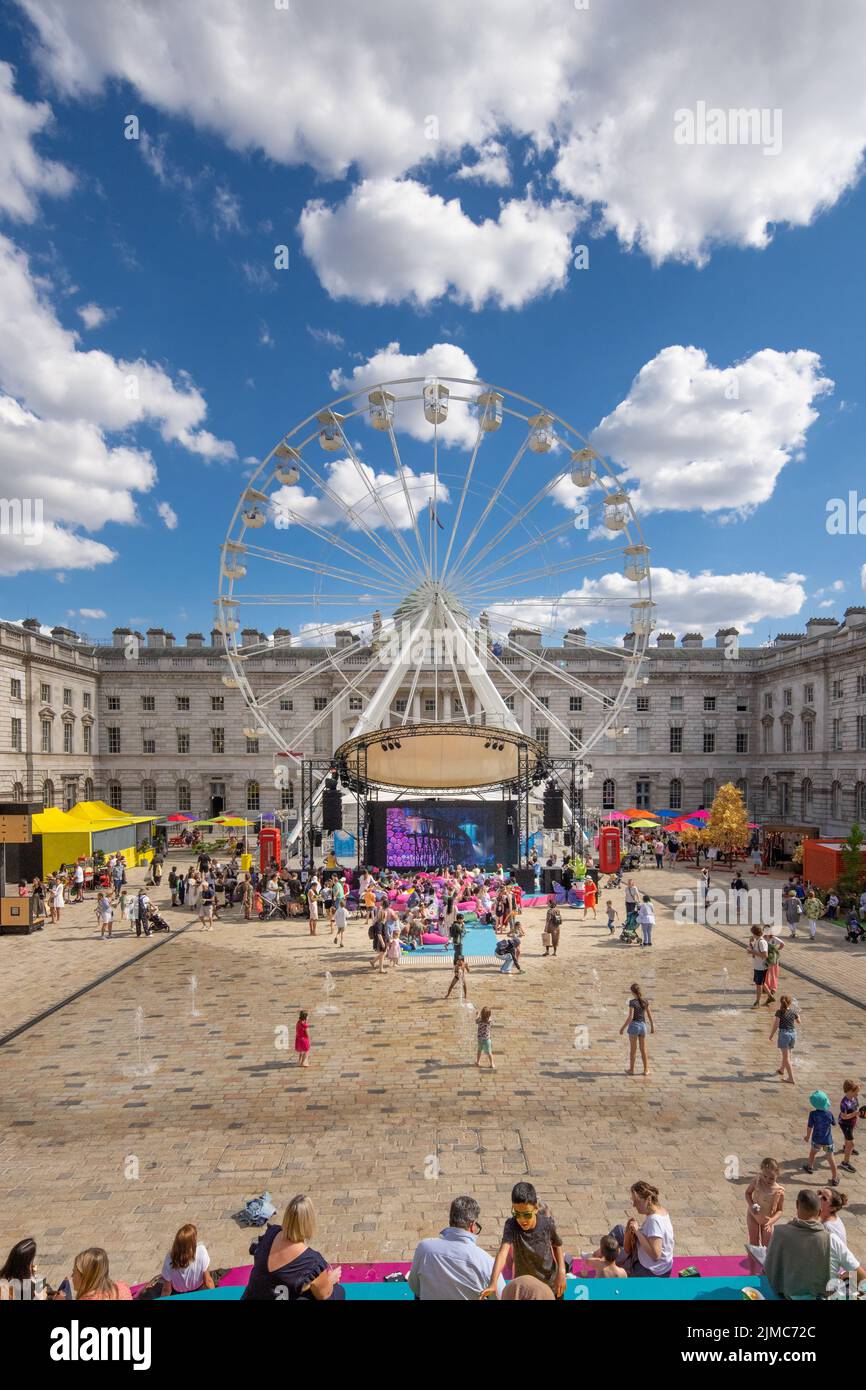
[{"x": 819, "y": 1100}]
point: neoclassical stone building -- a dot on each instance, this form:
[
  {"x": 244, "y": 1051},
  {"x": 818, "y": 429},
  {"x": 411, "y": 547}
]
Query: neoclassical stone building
[{"x": 149, "y": 725}]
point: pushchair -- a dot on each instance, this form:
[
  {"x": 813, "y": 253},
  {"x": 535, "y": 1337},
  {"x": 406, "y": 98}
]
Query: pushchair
[
  {"x": 629, "y": 930},
  {"x": 854, "y": 930},
  {"x": 157, "y": 923}
]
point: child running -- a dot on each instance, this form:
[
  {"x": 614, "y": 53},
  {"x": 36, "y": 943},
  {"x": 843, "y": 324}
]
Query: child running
[
  {"x": 105, "y": 917},
  {"x": 485, "y": 1044},
  {"x": 819, "y": 1134},
  {"x": 461, "y": 970},
  {"x": 302, "y": 1039},
  {"x": 340, "y": 917},
  {"x": 611, "y": 916}
]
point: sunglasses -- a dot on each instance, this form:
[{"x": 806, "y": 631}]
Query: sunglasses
[{"x": 522, "y": 1215}]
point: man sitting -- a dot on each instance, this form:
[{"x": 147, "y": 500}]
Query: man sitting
[
  {"x": 450, "y": 1267},
  {"x": 803, "y": 1255}
]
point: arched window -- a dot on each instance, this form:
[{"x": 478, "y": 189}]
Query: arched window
[
  {"x": 287, "y": 797},
  {"x": 184, "y": 799},
  {"x": 807, "y": 795},
  {"x": 608, "y": 794},
  {"x": 860, "y": 802},
  {"x": 70, "y": 795},
  {"x": 253, "y": 797},
  {"x": 784, "y": 798},
  {"x": 18, "y": 791},
  {"x": 148, "y": 796},
  {"x": 675, "y": 795},
  {"x": 88, "y": 789},
  {"x": 709, "y": 792},
  {"x": 47, "y": 794},
  {"x": 115, "y": 795},
  {"x": 836, "y": 801}
]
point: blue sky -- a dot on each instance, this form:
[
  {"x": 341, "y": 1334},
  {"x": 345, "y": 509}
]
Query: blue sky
[{"x": 754, "y": 262}]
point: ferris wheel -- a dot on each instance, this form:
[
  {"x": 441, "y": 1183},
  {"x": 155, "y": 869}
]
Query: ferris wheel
[{"x": 411, "y": 526}]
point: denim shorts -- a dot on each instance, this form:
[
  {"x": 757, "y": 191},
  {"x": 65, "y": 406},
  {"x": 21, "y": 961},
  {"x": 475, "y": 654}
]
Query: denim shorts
[
  {"x": 787, "y": 1037},
  {"x": 636, "y": 1030}
]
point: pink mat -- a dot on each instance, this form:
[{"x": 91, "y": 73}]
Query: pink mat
[{"x": 710, "y": 1266}]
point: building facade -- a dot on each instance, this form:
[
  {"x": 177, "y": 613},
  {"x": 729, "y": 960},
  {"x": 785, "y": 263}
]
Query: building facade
[{"x": 150, "y": 726}]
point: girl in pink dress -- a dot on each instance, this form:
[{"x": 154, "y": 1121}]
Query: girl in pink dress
[{"x": 302, "y": 1039}]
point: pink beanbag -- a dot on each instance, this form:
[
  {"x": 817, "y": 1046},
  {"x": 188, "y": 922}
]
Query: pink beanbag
[
  {"x": 470, "y": 905},
  {"x": 430, "y": 938},
  {"x": 401, "y": 900}
]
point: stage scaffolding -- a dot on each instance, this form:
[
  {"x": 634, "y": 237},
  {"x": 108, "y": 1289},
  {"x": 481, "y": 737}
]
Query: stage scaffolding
[{"x": 531, "y": 773}]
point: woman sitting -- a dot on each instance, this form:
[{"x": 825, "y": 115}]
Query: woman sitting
[
  {"x": 186, "y": 1266},
  {"x": 646, "y": 1250},
  {"x": 91, "y": 1281},
  {"x": 284, "y": 1265}
]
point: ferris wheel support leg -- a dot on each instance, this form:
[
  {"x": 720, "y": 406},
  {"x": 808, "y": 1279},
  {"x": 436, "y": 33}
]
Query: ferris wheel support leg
[
  {"x": 473, "y": 664},
  {"x": 380, "y": 703}
]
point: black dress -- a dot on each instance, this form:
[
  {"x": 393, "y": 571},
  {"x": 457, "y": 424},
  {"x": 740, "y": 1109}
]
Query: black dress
[{"x": 290, "y": 1282}]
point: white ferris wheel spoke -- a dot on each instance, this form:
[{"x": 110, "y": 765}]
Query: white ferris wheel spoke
[
  {"x": 398, "y": 461},
  {"x": 519, "y": 516},
  {"x": 331, "y": 539},
  {"x": 466, "y": 481},
  {"x": 491, "y": 503},
  {"x": 353, "y": 515},
  {"x": 383, "y": 510}
]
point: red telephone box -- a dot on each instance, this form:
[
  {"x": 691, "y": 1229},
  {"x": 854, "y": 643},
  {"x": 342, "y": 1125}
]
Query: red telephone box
[
  {"x": 608, "y": 849},
  {"x": 270, "y": 846}
]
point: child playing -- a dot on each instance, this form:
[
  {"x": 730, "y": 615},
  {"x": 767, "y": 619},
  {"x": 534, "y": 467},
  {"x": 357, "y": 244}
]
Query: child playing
[
  {"x": 765, "y": 1198},
  {"x": 302, "y": 1039},
  {"x": 485, "y": 1044},
  {"x": 819, "y": 1134},
  {"x": 340, "y": 918},
  {"x": 531, "y": 1239},
  {"x": 603, "y": 1261},
  {"x": 848, "y": 1112},
  {"x": 611, "y": 917},
  {"x": 461, "y": 970},
  {"x": 393, "y": 949},
  {"x": 369, "y": 900}
]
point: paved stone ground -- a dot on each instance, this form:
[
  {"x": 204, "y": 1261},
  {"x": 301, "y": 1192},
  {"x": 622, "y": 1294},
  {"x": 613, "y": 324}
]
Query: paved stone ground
[{"x": 93, "y": 1153}]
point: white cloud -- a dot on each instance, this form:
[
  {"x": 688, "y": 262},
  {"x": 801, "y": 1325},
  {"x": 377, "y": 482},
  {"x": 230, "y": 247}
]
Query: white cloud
[
  {"x": 168, "y": 515},
  {"x": 393, "y": 240},
  {"x": 390, "y": 364},
  {"x": 92, "y": 315},
  {"x": 837, "y": 587},
  {"x": 491, "y": 166},
  {"x": 41, "y": 364},
  {"x": 685, "y": 602},
  {"x": 358, "y": 487},
  {"x": 265, "y": 338},
  {"x": 596, "y": 88},
  {"x": 694, "y": 437},
  {"x": 93, "y": 613},
  {"x": 25, "y": 175},
  {"x": 326, "y": 336}
]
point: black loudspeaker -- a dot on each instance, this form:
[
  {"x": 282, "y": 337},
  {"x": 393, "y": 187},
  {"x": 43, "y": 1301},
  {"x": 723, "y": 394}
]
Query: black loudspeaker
[
  {"x": 552, "y": 805},
  {"x": 332, "y": 810},
  {"x": 317, "y": 838}
]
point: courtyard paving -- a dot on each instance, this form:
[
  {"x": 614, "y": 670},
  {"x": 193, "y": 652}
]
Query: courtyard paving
[{"x": 109, "y": 1141}]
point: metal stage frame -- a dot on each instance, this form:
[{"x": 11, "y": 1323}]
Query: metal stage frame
[{"x": 531, "y": 772}]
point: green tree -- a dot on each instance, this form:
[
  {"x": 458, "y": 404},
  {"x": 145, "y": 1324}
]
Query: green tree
[{"x": 853, "y": 872}]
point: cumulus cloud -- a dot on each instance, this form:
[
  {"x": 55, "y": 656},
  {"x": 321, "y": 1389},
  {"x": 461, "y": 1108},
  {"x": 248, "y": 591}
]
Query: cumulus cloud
[
  {"x": 393, "y": 240},
  {"x": 92, "y": 315},
  {"x": 357, "y": 488},
  {"x": 41, "y": 364},
  {"x": 694, "y": 437},
  {"x": 24, "y": 174},
  {"x": 93, "y": 613},
  {"x": 167, "y": 515},
  {"x": 491, "y": 166},
  {"x": 597, "y": 90},
  {"x": 685, "y": 602},
  {"x": 389, "y": 363}
]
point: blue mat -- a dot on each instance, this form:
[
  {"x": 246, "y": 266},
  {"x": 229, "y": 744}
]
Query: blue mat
[{"x": 590, "y": 1290}]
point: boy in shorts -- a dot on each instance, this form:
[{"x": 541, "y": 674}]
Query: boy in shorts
[
  {"x": 848, "y": 1112},
  {"x": 819, "y": 1134}
]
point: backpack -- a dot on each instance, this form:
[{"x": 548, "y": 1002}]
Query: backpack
[{"x": 773, "y": 953}]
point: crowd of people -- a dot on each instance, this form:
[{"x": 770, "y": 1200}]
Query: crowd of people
[{"x": 805, "y": 1257}]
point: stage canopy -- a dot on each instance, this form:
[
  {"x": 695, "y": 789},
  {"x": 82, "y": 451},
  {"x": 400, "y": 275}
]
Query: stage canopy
[{"x": 437, "y": 758}]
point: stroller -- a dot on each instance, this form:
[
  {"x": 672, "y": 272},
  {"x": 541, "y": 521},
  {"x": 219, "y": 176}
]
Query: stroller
[
  {"x": 157, "y": 923},
  {"x": 854, "y": 929},
  {"x": 629, "y": 930}
]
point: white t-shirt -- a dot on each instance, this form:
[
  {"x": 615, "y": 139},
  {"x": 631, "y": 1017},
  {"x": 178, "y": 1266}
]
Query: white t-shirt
[
  {"x": 836, "y": 1228},
  {"x": 659, "y": 1224},
  {"x": 57, "y": 894},
  {"x": 340, "y": 918},
  {"x": 79, "y": 874},
  {"x": 759, "y": 953},
  {"x": 189, "y": 1279}
]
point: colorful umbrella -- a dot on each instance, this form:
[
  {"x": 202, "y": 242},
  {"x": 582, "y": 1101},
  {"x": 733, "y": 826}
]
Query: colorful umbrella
[
  {"x": 178, "y": 815},
  {"x": 616, "y": 815},
  {"x": 698, "y": 815},
  {"x": 634, "y": 812},
  {"x": 643, "y": 824}
]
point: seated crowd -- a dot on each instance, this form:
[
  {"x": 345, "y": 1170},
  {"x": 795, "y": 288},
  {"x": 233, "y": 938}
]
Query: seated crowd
[{"x": 804, "y": 1259}]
